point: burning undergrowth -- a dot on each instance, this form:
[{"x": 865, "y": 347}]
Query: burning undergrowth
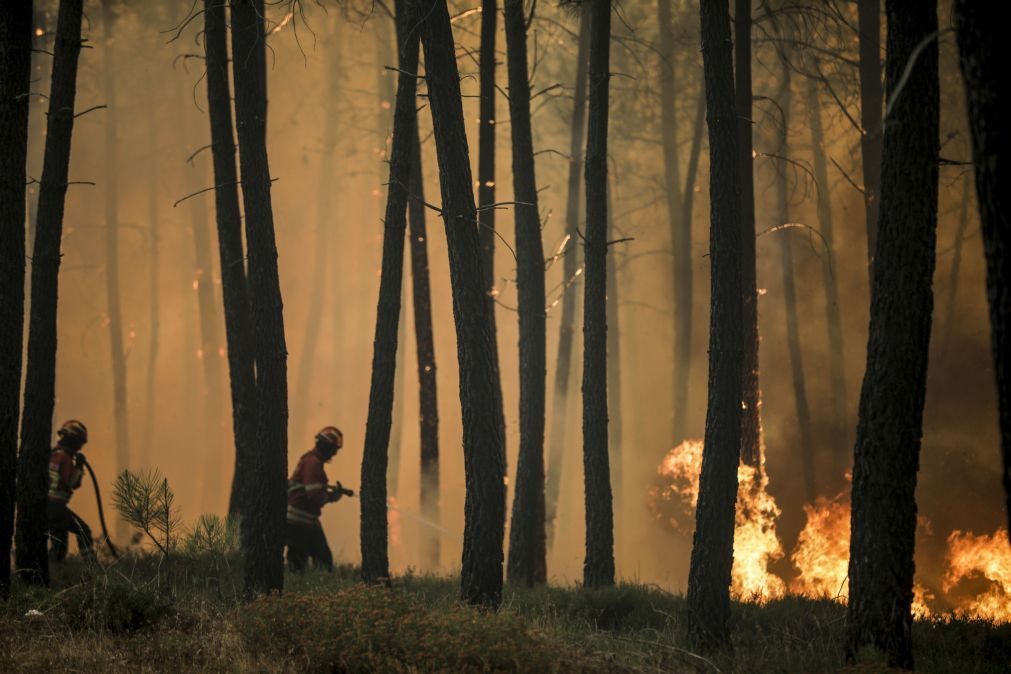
[{"x": 976, "y": 582}]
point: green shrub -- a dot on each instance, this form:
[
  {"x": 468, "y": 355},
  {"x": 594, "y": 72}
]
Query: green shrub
[
  {"x": 111, "y": 603},
  {"x": 378, "y": 629}
]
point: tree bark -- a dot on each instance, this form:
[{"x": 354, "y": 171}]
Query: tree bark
[
  {"x": 263, "y": 516},
  {"x": 480, "y": 390},
  {"x": 751, "y": 402},
  {"x": 598, "y": 565},
  {"x": 115, "y": 313},
  {"x": 803, "y": 411},
  {"x": 980, "y": 57},
  {"x": 15, "y": 83},
  {"x": 235, "y": 294},
  {"x": 871, "y": 99},
  {"x": 713, "y": 545},
  {"x": 527, "y": 541},
  {"x": 833, "y": 316},
  {"x": 428, "y": 407},
  {"x": 374, "y": 536},
  {"x": 486, "y": 145},
  {"x": 40, "y": 375},
  {"x": 561, "y": 403},
  {"x": 886, "y": 457}
]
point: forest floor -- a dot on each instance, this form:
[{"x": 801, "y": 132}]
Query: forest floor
[{"x": 184, "y": 614}]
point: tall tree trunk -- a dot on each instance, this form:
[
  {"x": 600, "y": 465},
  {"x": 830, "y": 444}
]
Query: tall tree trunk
[
  {"x": 154, "y": 293},
  {"x": 40, "y": 376},
  {"x": 235, "y": 294},
  {"x": 833, "y": 316},
  {"x": 887, "y": 453},
  {"x": 807, "y": 457},
  {"x": 322, "y": 243},
  {"x": 751, "y": 402},
  {"x": 486, "y": 146},
  {"x": 598, "y": 565},
  {"x": 15, "y": 82},
  {"x": 871, "y": 99},
  {"x": 428, "y": 406},
  {"x": 713, "y": 546},
  {"x": 263, "y": 516},
  {"x": 374, "y": 538},
  {"x": 480, "y": 389},
  {"x": 560, "y": 402},
  {"x": 680, "y": 232},
  {"x": 527, "y": 541},
  {"x": 980, "y": 57},
  {"x": 115, "y": 313}
]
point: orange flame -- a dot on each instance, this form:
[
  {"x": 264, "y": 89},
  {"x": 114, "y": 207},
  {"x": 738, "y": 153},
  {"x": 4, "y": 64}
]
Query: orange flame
[
  {"x": 988, "y": 557},
  {"x": 823, "y": 549}
]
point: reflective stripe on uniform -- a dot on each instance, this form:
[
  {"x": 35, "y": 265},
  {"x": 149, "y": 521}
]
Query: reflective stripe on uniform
[
  {"x": 299, "y": 516},
  {"x": 315, "y": 486}
]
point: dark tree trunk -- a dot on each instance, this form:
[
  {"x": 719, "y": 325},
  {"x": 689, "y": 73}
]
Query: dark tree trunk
[
  {"x": 428, "y": 406},
  {"x": 807, "y": 458},
  {"x": 40, "y": 376},
  {"x": 263, "y": 516},
  {"x": 833, "y": 317},
  {"x": 751, "y": 402},
  {"x": 486, "y": 145},
  {"x": 570, "y": 266},
  {"x": 480, "y": 391},
  {"x": 871, "y": 98},
  {"x": 887, "y": 453},
  {"x": 235, "y": 294},
  {"x": 374, "y": 538},
  {"x": 323, "y": 242},
  {"x": 598, "y": 565},
  {"x": 527, "y": 541},
  {"x": 15, "y": 81},
  {"x": 713, "y": 546},
  {"x": 981, "y": 59},
  {"x": 118, "y": 357}
]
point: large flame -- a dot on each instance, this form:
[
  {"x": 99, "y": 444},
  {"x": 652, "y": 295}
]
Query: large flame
[
  {"x": 987, "y": 557},
  {"x": 977, "y": 583},
  {"x": 755, "y": 540}
]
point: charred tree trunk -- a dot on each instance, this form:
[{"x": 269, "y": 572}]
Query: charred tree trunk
[
  {"x": 527, "y": 541},
  {"x": 322, "y": 244},
  {"x": 887, "y": 453},
  {"x": 871, "y": 99},
  {"x": 598, "y": 565},
  {"x": 480, "y": 390},
  {"x": 118, "y": 356},
  {"x": 751, "y": 402},
  {"x": 263, "y": 516},
  {"x": 807, "y": 458},
  {"x": 235, "y": 294},
  {"x": 428, "y": 400},
  {"x": 15, "y": 82},
  {"x": 833, "y": 316},
  {"x": 374, "y": 537},
  {"x": 713, "y": 546},
  {"x": 980, "y": 55},
  {"x": 560, "y": 403},
  {"x": 40, "y": 376}
]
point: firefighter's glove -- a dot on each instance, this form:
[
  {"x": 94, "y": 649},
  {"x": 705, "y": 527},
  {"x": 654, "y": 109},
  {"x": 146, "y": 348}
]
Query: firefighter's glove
[
  {"x": 336, "y": 493},
  {"x": 79, "y": 460}
]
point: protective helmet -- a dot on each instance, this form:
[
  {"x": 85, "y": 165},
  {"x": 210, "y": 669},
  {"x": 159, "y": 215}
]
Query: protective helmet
[
  {"x": 74, "y": 431},
  {"x": 330, "y": 437}
]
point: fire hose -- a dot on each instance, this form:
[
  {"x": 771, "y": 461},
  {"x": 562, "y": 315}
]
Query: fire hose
[{"x": 98, "y": 499}]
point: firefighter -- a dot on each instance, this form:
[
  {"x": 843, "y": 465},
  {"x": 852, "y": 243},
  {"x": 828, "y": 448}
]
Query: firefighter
[
  {"x": 66, "y": 469},
  {"x": 308, "y": 492}
]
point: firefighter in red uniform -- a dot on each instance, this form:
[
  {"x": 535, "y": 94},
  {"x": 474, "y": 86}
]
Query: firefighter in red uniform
[
  {"x": 308, "y": 492},
  {"x": 66, "y": 468}
]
